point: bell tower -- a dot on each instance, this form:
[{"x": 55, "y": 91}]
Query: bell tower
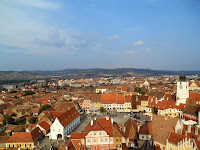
[{"x": 182, "y": 90}]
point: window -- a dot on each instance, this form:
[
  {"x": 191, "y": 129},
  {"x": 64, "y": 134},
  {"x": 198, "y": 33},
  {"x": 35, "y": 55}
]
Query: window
[
  {"x": 25, "y": 145},
  {"x": 106, "y": 146},
  {"x": 116, "y": 140},
  {"x": 9, "y": 145},
  {"x": 58, "y": 130},
  {"x": 142, "y": 137},
  {"x": 13, "y": 145},
  {"x": 88, "y": 141},
  {"x": 95, "y": 141},
  {"x": 106, "y": 140},
  {"x": 101, "y": 147},
  {"x": 94, "y": 133},
  {"x": 120, "y": 140},
  {"x": 101, "y": 140},
  {"x": 30, "y": 145},
  {"x": 110, "y": 146},
  {"x": 99, "y": 133},
  {"x": 95, "y": 147},
  {"x": 120, "y": 145},
  {"x": 116, "y": 146},
  {"x": 20, "y": 145}
]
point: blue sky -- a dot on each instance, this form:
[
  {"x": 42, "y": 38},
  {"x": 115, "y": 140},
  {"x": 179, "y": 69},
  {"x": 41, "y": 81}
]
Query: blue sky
[{"x": 62, "y": 34}]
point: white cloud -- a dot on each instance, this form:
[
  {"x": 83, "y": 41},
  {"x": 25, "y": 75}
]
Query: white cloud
[
  {"x": 43, "y": 4},
  {"x": 114, "y": 37},
  {"x": 147, "y": 49},
  {"x": 130, "y": 52},
  {"x": 138, "y": 43}
]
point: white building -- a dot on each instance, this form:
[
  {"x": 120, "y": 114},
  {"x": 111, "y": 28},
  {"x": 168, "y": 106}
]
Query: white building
[
  {"x": 64, "y": 124},
  {"x": 182, "y": 90}
]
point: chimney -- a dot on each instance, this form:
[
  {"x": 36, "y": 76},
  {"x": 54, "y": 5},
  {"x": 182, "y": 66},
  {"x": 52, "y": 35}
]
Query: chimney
[
  {"x": 189, "y": 128},
  {"x": 107, "y": 118},
  {"x": 112, "y": 120},
  {"x": 95, "y": 118},
  {"x": 92, "y": 122}
]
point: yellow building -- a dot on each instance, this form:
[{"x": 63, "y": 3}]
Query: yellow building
[{"x": 21, "y": 140}]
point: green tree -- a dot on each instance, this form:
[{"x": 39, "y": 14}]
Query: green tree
[
  {"x": 155, "y": 110},
  {"x": 102, "y": 109},
  {"x": 32, "y": 120},
  {"x": 44, "y": 108},
  {"x": 29, "y": 93}
]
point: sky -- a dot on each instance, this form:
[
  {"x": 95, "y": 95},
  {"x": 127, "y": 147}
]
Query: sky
[{"x": 81, "y": 34}]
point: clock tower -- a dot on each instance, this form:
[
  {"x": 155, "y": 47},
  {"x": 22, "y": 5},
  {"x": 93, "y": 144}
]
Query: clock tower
[{"x": 182, "y": 90}]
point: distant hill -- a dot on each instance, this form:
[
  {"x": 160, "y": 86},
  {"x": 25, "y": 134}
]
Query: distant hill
[{"x": 96, "y": 72}]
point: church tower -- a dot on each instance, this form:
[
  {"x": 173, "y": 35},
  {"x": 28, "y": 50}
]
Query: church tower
[{"x": 182, "y": 90}]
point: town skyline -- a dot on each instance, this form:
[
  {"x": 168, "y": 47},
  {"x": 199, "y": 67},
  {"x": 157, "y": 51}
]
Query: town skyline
[{"x": 57, "y": 35}]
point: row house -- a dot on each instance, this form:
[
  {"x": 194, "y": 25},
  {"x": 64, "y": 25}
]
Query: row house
[
  {"x": 95, "y": 102},
  {"x": 180, "y": 142},
  {"x": 64, "y": 124},
  {"x": 113, "y": 102},
  {"x": 166, "y": 107},
  {"x": 140, "y": 102},
  {"x": 102, "y": 89},
  {"x": 100, "y": 133},
  {"x": 194, "y": 85},
  {"x": 190, "y": 112},
  {"x": 157, "y": 131}
]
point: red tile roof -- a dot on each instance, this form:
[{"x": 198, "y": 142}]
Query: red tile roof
[
  {"x": 146, "y": 128},
  {"x": 175, "y": 138},
  {"x": 20, "y": 137},
  {"x": 44, "y": 125},
  {"x": 68, "y": 116},
  {"x": 112, "y": 99},
  {"x": 100, "y": 124}
]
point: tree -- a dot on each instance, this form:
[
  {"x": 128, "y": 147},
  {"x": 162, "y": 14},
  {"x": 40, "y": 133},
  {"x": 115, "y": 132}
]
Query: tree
[
  {"x": 32, "y": 120},
  {"x": 44, "y": 108},
  {"x": 102, "y": 109},
  {"x": 29, "y": 93},
  {"x": 155, "y": 110}
]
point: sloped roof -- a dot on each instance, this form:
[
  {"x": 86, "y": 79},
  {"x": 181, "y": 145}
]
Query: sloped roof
[
  {"x": 191, "y": 109},
  {"x": 68, "y": 116},
  {"x": 101, "y": 124},
  {"x": 20, "y": 137},
  {"x": 44, "y": 125},
  {"x": 162, "y": 127},
  {"x": 146, "y": 128},
  {"x": 175, "y": 138},
  {"x": 36, "y": 133},
  {"x": 112, "y": 98},
  {"x": 131, "y": 130}
]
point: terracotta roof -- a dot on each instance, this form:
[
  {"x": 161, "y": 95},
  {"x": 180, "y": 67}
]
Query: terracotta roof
[
  {"x": 191, "y": 109},
  {"x": 78, "y": 135},
  {"x": 68, "y": 116},
  {"x": 131, "y": 130},
  {"x": 95, "y": 98},
  {"x": 165, "y": 104},
  {"x": 36, "y": 133},
  {"x": 175, "y": 138},
  {"x": 146, "y": 128},
  {"x": 20, "y": 137},
  {"x": 112, "y": 99},
  {"x": 194, "y": 96},
  {"x": 44, "y": 125},
  {"x": 104, "y": 87},
  {"x": 162, "y": 127},
  {"x": 100, "y": 124}
]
